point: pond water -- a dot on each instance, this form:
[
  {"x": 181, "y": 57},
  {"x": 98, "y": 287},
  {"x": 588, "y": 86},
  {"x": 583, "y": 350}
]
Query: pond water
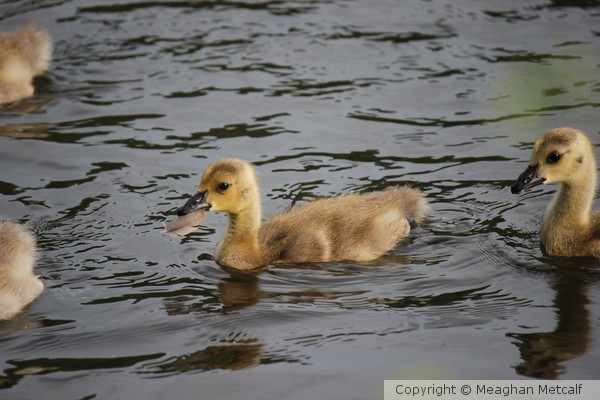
[{"x": 325, "y": 97}]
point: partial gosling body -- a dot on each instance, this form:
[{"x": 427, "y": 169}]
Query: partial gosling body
[
  {"x": 18, "y": 284},
  {"x": 353, "y": 227},
  {"x": 565, "y": 156},
  {"x": 24, "y": 54}
]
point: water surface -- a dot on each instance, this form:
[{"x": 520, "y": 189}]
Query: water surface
[{"x": 324, "y": 97}]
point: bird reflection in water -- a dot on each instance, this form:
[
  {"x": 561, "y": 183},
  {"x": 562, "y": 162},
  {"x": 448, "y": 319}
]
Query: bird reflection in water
[{"x": 543, "y": 353}]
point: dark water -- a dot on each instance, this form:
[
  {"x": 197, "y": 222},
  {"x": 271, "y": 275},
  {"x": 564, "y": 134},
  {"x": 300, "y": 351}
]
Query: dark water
[{"x": 324, "y": 97}]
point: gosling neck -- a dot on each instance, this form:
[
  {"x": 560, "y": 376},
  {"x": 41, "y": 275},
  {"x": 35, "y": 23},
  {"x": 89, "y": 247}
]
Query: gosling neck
[
  {"x": 241, "y": 236},
  {"x": 243, "y": 226},
  {"x": 572, "y": 204}
]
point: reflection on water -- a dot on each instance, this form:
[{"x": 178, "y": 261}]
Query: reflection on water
[
  {"x": 233, "y": 357},
  {"x": 544, "y": 353},
  {"x": 324, "y": 97},
  {"x": 241, "y": 290},
  {"x": 25, "y": 131}
]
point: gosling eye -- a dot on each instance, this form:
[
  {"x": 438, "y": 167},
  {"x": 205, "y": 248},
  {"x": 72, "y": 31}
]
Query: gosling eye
[
  {"x": 223, "y": 186},
  {"x": 553, "y": 157}
]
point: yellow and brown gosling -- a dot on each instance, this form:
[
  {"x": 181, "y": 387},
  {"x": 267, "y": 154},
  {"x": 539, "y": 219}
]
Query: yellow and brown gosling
[
  {"x": 24, "y": 54},
  {"x": 352, "y": 227},
  {"x": 565, "y": 156},
  {"x": 18, "y": 284}
]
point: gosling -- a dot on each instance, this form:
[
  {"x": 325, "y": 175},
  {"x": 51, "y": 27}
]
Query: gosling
[
  {"x": 569, "y": 227},
  {"x": 352, "y": 227},
  {"x": 24, "y": 54},
  {"x": 18, "y": 284}
]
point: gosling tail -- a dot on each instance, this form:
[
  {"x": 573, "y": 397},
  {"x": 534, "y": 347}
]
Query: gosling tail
[
  {"x": 36, "y": 47},
  {"x": 411, "y": 201}
]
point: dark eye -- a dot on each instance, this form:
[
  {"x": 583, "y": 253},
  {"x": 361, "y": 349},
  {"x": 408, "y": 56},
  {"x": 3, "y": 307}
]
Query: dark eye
[
  {"x": 223, "y": 186},
  {"x": 553, "y": 157}
]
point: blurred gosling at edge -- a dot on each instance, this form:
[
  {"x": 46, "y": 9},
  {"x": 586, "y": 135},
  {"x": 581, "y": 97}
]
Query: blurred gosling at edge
[
  {"x": 351, "y": 227},
  {"x": 569, "y": 227},
  {"x": 24, "y": 54},
  {"x": 18, "y": 284}
]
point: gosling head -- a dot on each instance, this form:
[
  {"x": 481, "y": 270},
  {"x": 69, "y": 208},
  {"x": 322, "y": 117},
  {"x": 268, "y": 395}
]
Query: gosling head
[
  {"x": 561, "y": 155},
  {"x": 228, "y": 185}
]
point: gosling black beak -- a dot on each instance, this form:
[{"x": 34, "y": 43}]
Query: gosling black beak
[
  {"x": 196, "y": 203},
  {"x": 527, "y": 179}
]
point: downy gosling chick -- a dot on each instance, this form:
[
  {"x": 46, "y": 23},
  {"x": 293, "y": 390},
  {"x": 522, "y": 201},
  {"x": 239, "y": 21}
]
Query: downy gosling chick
[
  {"x": 569, "y": 227},
  {"x": 24, "y": 54},
  {"x": 353, "y": 227},
  {"x": 18, "y": 284}
]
